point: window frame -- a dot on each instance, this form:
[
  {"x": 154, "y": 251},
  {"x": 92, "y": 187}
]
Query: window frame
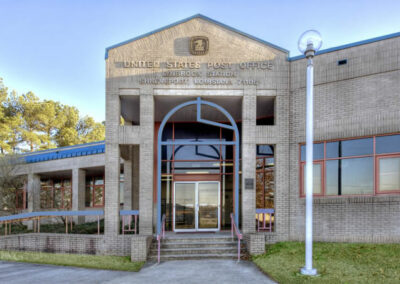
[
  {"x": 302, "y": 189},
  {"x": 52, "y": 190},
  {"x": 263, "y": 171},
  {"x": 376, "y": 157},
  {"x": 92, "y": 188}
]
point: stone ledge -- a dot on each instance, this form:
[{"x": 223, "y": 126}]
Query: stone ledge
[
  {"x": 353, "y": 239},
  {"x": 354, "y": 199}
]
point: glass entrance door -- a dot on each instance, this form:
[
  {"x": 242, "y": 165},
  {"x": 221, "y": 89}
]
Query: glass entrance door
[
  {"x": 196, "y": 206},
  {"x": 185, "y": 206}
]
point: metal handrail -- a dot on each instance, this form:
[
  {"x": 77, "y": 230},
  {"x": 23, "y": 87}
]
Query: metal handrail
[
  {"x": 264, "y": 212},
  {"x": 235, "y": 228},
  {"x": 36, "y": 216},
  {"x": 126, "y": 216},
  {"x": 160, "y": 235}
]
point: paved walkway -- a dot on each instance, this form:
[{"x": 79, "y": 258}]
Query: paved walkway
[{"x": 193, "y": 271}]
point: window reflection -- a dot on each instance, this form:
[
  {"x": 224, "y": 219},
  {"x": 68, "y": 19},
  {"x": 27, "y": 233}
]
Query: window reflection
[
  {"x": 350, "y": 167},
  {"x": 357, "y": 147},
  {"x": 55, "y": 193},
  {"x": 317, "y": 178},
  {"x": 389, "y": 174},
  {"x": 318, "y": 152},
  {"x": 94, "y": 196},
  {"x": 265, "y": 176},
  {"x": 388, "y": 144},
  {"x": 332, "y": 177},
  {"x": 357, "y": 176}
]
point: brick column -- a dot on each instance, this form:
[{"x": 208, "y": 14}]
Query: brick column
[
  {"x": 249, "y": 108},
  {"x": 112, "y": 165},
  {"x": 128, "y": 183},
  {"x": 33, "y": 194},
  {"x": 135, "y": 177},
  {"x": 112, "y": 172},
  {"x": 146, "y": 155},
  {"x": 78, "y": 193},
  {"x": 33, "y": 189}
]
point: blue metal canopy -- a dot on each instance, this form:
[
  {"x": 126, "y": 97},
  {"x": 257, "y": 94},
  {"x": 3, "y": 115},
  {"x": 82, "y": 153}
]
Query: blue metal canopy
[{"x": 65, "y": 152}]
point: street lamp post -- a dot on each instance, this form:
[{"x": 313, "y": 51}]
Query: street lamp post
[{"x": 309, "y": 42}]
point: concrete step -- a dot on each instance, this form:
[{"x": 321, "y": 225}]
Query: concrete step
[
  {"x": 193, "y": 244},
  {"x": 196, "y": 251},
  {"x": 184, "y": 247},
  {"x": 194, "y": 257},
  {"x": 197, "y": 240}
]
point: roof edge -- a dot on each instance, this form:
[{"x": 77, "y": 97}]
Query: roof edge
[
  {"x": 348, "y": 45},
  {"x": 188, "y": 19},
  {"x": 63, "y": 148}
]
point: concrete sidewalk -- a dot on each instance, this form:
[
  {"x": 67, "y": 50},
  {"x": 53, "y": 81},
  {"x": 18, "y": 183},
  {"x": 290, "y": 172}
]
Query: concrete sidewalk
[{"x": 193, "y": 271}]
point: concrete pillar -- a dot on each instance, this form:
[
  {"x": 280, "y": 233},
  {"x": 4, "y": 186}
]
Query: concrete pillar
[
  {"x": 146, "y": 161},
  {"x": 33, "y": 192},
  {"x": 112, "y": 165},
  {"x": 135, "y": 177},
  {"x": 33, "y": 189},
  {"x": 128, "y": 183},
  {"x": 112, "y": 172},
  {"x": 78, "y": 193},
  {"x": 249, "y": 107}
]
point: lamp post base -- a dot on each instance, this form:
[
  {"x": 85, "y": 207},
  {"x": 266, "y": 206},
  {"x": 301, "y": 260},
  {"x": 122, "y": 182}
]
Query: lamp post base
[{"x": 309, "y": 272}]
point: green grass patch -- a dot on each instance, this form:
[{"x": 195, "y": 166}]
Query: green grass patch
[
  {"x": 335, "y": 263},
  {"x": 122, "y": 263}
]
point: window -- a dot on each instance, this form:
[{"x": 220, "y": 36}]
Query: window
[
  {"x": 121, "y": 189},
  {"x": 21, "y": 198},
  {"x": 365, "y": 166},
  {"x": 389, "y": 174},
  {"x": 265, "y": 185},
  {"x": 265, "y": 176},
  {"x": 317, "y": 178},
  {"x": 265, "y": 110},
  {"x": 94, "y": 196},
  {"x": 55, "y": 193},
  {"x": 130, "y": 110}
]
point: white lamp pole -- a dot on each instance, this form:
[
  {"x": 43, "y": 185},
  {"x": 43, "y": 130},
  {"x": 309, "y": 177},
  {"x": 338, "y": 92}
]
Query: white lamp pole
[{"x": 309, "y": 42}]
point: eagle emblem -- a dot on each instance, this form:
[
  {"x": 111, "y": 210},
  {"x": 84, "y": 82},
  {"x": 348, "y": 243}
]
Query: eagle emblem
[{"x": 198, "y": 45}]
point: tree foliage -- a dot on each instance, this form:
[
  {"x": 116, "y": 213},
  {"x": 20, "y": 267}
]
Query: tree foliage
[
  {"x": 10, "y": 181},
  {"x": 29, "y": 124}
]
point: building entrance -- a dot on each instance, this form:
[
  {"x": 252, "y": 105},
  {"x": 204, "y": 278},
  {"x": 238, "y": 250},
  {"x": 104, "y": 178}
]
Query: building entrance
[
  {"x": 200, "y": 154},
  {"x": 197, "y": 206}
]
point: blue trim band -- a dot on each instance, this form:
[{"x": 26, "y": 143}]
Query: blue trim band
[{"x": 340, "y": 47}]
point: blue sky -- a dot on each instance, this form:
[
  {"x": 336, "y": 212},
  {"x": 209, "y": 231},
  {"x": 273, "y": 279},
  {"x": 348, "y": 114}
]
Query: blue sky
[{"x": 56, "y": 48}]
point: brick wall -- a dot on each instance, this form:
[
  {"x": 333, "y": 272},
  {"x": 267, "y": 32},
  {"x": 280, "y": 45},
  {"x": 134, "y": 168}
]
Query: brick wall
[
  {"x": 358, "y": 99},
  {"x": 80, "y": 244}
]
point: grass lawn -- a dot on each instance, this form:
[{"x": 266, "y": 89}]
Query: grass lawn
[
  {"x": 86, "y": 261},
  {"x": 335, "y": 263}
]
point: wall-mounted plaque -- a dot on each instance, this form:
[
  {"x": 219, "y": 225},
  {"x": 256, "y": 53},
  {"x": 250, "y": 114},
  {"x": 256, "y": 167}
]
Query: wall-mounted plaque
[
  {"x": 249, "y": 183},
  {"x": 198, "y": 45}
]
